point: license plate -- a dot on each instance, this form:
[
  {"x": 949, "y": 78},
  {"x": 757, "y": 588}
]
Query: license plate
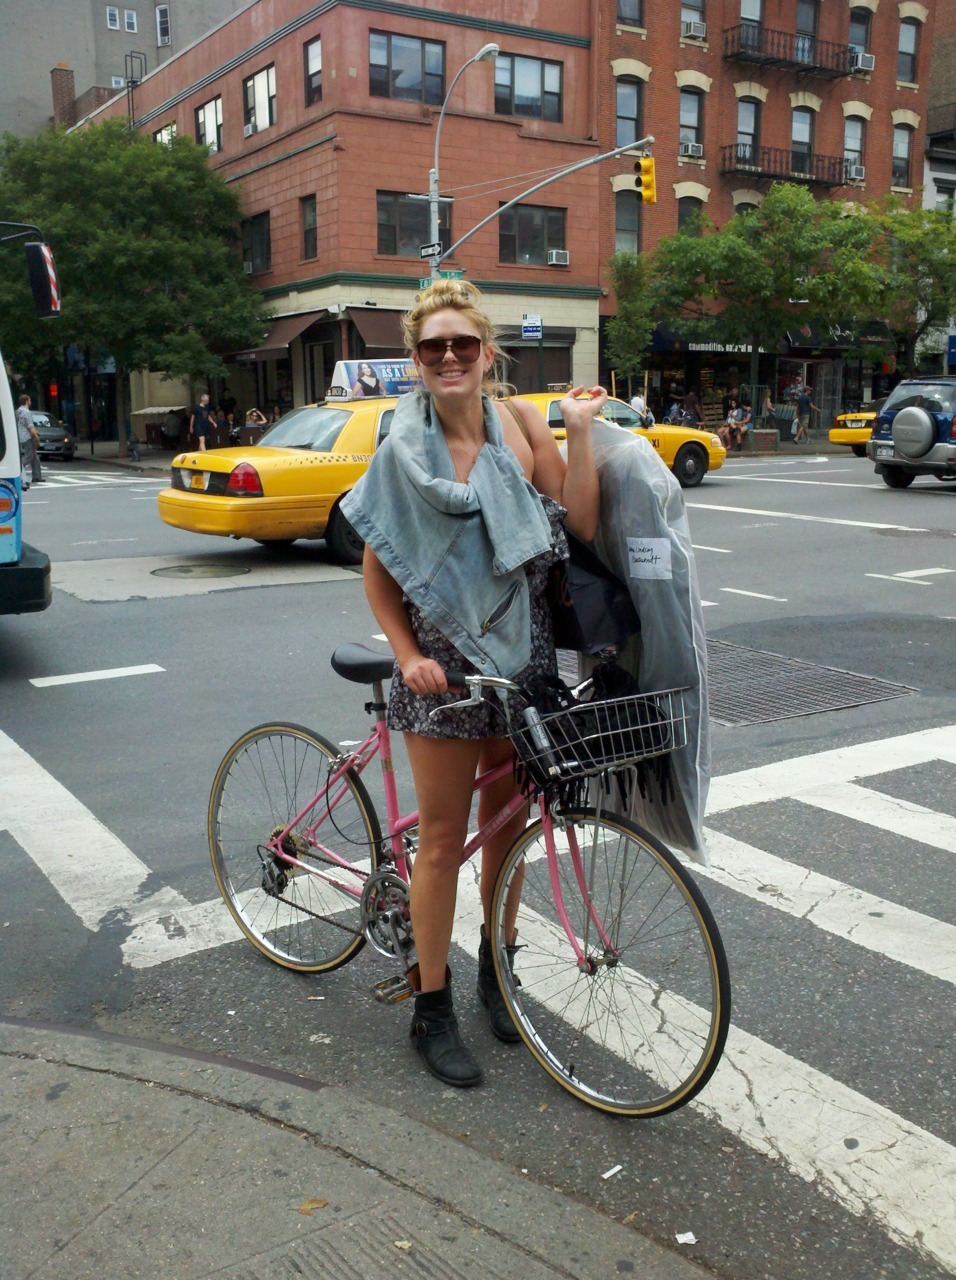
[
  {"x": 884, "y": 451},
  {"x": 199, "y": 480}
]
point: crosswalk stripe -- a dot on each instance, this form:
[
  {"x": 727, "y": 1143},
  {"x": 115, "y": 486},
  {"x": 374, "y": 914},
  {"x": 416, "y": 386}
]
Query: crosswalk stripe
[
  {"x": 901, "y": 817},
  {"x": 790, "y": 778},
  {"x": 903, "y": 935}
]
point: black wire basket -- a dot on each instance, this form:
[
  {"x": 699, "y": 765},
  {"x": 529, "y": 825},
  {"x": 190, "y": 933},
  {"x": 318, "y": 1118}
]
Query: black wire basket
[{"x": 594, "y": 737}]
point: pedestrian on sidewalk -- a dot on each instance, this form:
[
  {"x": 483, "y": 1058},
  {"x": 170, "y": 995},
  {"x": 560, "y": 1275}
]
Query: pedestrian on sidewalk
[
  {"x": 201, "y": 420},
  {"x": 804, "y": 407},
  {"x": 30, "y": 472}
]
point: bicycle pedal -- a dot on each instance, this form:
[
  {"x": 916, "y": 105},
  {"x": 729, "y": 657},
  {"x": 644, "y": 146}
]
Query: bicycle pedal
[{"x": 393, "y": 990}]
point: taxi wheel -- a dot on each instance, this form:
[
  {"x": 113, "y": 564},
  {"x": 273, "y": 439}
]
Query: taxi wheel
[
  {"x": 690, "y": 466},
  {"x": 342, "y": 540}
]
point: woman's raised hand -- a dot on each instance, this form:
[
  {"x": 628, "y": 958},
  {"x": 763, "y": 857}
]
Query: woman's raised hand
[{"x": 581, "y": 406}]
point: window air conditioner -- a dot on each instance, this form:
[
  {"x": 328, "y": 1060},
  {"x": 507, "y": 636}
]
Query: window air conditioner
[
  {"x": 247, "y": 267},
  {"x": 248, "y": 130},
  {"x": 692, "y": 149},
  {"x": 693, "y": 30},
  {"x": 856, "y": 172},
  {"x": 163, "y": 40},
  {"x": 860, "y": 61},
  {"x": 559, "y": 258}
]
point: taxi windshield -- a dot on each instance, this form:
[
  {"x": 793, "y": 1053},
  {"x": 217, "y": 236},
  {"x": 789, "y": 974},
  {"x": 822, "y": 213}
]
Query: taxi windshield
[{"x": 315, "y": 428}]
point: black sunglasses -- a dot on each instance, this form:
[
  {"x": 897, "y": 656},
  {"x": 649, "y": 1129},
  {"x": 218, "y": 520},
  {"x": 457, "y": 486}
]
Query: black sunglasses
[{"x": 463, "y": 346}]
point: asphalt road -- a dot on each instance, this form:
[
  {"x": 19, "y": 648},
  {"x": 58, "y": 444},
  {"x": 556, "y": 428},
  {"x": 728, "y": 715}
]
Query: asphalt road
[{"x": 824, "y": 1146}]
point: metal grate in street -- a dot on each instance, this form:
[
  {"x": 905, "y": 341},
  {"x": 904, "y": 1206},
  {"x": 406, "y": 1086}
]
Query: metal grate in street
[{"x": 754, "y": 686}]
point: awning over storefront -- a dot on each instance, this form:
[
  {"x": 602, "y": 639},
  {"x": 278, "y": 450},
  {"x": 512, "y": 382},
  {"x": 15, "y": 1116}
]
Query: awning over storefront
[
  {"x": 843, "y": 337},
  {"x": 283, "y": 331},
  {"x": 380, "y": 330}
]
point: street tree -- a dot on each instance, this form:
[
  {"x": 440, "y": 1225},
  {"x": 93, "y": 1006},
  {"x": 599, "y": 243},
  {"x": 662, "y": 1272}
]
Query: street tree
[
  {"x": 916, "y": 253},
  {"x": 145, "y": 239},
  {"x": 791, "y": 262},
  {"x": 629, "y": 330}
]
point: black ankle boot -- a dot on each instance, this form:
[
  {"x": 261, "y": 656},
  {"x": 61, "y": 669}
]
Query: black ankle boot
[
  {"x": 489, "y": 993},
  {"x": 434, "y": 1033}
]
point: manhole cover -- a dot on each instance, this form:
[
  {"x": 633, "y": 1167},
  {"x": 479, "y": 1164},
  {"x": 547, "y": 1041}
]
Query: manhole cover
[
  {"x": 753, "y": 686},
  {"x": 199, "y": 571}
]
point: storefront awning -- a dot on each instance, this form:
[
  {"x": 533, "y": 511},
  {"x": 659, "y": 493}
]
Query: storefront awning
[
  {"x": 276, "y": 342},
  {"x": 380, "y": 330},
  {"x": 843, "y": 337}
]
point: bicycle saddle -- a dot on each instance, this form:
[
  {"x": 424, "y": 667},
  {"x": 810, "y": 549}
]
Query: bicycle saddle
[{"x": 363, "y": 666}]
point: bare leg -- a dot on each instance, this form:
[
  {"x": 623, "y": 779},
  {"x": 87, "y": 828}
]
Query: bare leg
[
  {"x": 495, "y": 751},
  {"x": 444, "y": 771}
]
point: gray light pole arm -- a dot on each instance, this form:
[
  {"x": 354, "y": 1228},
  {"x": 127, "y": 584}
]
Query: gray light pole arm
[
  {"x": 484, "y": 54},
  {"x": 582, "y": 164}
]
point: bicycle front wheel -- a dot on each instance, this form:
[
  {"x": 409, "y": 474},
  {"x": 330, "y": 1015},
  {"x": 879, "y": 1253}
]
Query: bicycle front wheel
[
  {"x": 306, "y": 917},
  {"x": 639, "y": 1027}
]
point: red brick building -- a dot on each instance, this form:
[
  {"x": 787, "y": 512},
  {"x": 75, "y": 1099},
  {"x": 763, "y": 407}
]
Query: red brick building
[{"x": 326, "y": 115}]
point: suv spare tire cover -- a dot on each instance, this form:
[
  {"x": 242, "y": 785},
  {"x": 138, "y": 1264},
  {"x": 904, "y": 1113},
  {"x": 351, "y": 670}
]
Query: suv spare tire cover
[{"x": 914, "y": 432}]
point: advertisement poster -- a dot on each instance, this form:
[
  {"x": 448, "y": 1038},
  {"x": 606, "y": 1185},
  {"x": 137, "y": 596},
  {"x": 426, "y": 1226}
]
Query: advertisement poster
[{"x": 360, "y": 379}]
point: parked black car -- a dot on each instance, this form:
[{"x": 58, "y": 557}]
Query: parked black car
[{"x": 55, "y": 439}]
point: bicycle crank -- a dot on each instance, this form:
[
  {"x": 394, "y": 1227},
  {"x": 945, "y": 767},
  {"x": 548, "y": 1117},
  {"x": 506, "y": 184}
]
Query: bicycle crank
[{"x": 386, "y": 920}]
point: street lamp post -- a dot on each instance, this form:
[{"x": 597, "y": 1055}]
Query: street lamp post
[{"x": 485, "y": 54}]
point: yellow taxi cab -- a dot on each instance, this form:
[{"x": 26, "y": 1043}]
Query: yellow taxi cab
[
  {"x": 290, "y": 484},
  {"x": 689, "y": 452},
  {"x": 856, "y": 427}
]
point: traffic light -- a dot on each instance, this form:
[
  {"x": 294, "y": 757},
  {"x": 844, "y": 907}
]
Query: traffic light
[{"x": 647, "y": 183}]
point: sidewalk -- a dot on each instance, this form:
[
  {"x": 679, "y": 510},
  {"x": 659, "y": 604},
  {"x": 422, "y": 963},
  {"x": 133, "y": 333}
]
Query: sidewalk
[
  {"x": 127, "y": 1159},
  {"x": 160, "y": 460}
]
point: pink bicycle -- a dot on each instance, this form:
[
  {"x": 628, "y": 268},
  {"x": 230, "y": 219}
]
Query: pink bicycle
[{"x": 620, "y": 988}]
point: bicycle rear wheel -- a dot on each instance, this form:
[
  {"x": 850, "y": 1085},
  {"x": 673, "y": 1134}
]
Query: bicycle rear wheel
[
  {"x": 310, "y": 922},
  {"x": 641, "y": 1032}
]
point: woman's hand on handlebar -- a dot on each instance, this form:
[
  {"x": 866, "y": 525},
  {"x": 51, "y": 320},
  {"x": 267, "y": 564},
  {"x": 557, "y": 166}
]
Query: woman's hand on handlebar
[{"x": 424, "y": 675}]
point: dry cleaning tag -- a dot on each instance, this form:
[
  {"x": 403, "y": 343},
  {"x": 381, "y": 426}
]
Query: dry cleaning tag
[{"x": 649, "y": 557}]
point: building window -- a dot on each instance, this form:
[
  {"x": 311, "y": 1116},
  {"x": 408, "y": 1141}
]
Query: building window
[
  {"x": 163, "y": 36},
  {"x": 745, "y": 206},
  {"x": 112, "y": 17},
  {"x": 527, "y": 87},
  {"x": 310, "y": 242},
  {"x": 527, "y": 232},
  {"x": 209, "y": 125},
  {"x": 748, "y": 128},
  {"x": 751, "y": 16},
  {"x": 627, "y": 222},
  {"x": 129, "y": 20},
  {"x": 117, "y": 82},
  {"x": 858, "y": 36},
  {"x": 801, "y": 140},
  {"x": 406, "y": 67},
  {"x": 313, "y": 72},
  {"x": 403, "y": 225},
  {"x": 690, "y": 212},
  {"x": 806, "y": 30},
  {"x": 854, "y": 128},
  {"x": 692, "y": 11},
  {"x": 946, "y": 201},
  {"x": 691, "y": 115},
  {"x": 259, "y": 100},
  {"x": 906, "y": 57},
  {"x": 902, "y": 155},
  {"x": 629, "y": 94},
  {"x": 257, "y": 243},
  {"x": 629, "y": 12},
  {"x": 166, "y": 134}
]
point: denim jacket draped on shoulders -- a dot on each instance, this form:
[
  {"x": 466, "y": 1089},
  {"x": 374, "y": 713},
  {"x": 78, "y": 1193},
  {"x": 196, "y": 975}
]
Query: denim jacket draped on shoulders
[{"x": 457, "y": 550}]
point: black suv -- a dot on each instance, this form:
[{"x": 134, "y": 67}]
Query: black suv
[{"x": 915, "y": 432}]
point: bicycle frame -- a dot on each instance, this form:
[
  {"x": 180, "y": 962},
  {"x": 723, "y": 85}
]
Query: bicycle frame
[{"x": 378, "y": 743}]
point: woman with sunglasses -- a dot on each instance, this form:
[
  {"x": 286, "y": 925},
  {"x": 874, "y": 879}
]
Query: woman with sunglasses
[{"x": 462, "y": 511}]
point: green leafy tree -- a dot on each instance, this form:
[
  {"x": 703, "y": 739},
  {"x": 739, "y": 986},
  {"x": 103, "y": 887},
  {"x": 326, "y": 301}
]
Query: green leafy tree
[
  {"x": 791, "y": 262},
  {"x": 144, "y": 237},
  {"x": 916, "y": 253},
  {"x": 629, "y": 331}
]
